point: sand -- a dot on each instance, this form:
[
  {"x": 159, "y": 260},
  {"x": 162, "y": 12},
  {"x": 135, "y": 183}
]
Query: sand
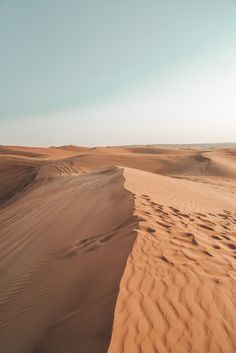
[{"x": 119, "y": 250}]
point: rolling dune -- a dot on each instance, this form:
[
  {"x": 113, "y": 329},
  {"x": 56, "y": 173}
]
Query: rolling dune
[
  {"x": 117, "y": 249},
  {"x": 178, "y": 290},
  {"x": 57, "y": 241}
]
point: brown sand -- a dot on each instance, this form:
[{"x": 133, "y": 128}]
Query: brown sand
[{"x": 68, "y": 221}]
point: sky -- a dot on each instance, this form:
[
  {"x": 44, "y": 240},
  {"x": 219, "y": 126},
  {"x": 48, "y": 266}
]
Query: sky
[{"x": 108, "y": 72}]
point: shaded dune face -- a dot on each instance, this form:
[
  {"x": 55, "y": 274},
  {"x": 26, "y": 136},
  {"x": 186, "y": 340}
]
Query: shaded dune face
[
  {"x": 97, "y": 258},
  {"x": 64, "y": 245},
  {"x": 16, "y": 176}
]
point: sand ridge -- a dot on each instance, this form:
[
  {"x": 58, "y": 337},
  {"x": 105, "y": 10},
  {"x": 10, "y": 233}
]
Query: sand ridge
[
  {"x": 178, "y": 290},
  {"x": 54, "y": 263},
  {"x": 119, "y": 249}
]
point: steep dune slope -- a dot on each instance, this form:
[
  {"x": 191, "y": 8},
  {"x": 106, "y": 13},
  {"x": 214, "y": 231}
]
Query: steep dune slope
[
  {"x": 16, "y": 176},
  {"x": 19, "y": 174},
  {"x": 97, "y": 258},
  {"x": 64, "y": 245}
]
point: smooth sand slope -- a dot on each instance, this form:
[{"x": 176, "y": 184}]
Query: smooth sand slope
[
  {"x": 119, "y": 250},
  {"x": 64, "y": 244}
]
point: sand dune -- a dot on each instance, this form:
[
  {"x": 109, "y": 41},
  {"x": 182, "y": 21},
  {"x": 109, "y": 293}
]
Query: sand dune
[
  {"x": 57, "y": 241},
  {"x": 178, "y": 290},
  {"x": 119, "y": 250}
]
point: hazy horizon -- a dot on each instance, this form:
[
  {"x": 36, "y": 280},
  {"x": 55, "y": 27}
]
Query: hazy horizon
[{"x": 127, "y": 73}]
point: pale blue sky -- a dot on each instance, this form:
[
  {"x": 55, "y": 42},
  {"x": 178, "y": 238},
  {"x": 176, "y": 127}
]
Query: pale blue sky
[{"x": 116, "y": 72}]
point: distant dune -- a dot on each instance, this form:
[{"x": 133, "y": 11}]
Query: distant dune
[{"x": 118, "y": 249}]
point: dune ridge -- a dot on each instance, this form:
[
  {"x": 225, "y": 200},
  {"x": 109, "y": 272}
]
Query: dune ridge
[
  {"x": 57, "y": 293},
  {"x": 119, "y": 249},
  {"x": 178, "y": 291}
]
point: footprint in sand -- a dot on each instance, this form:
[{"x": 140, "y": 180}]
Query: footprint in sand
[
  {"x": 150, "y": 230},
  {"x": 175, "y": 210},
  {"x": 163, "y": 258},
  {"x": 216, "y": 247},
  {"x": 207, "y": 253},
  {"x": 194, "y": 241},
  {"x": 71, "y": 252},
  {"x": 231, "y": 246},
  {"x": 216, "y": 237},
  {"x": 145, "y": 197},
  {"x": 225, "y": 236},
  {"x": 206, "y": 227},
  {"x": 187, "y": 234}
]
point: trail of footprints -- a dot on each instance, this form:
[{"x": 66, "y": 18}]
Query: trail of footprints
[
  {"x": 209, "y": 232},
  {"x": 88, "y": 244},
  {"x": 178, "y": 290}
]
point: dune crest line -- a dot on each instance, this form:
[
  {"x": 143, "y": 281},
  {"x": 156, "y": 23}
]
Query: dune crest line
[
  {"x": 178, "y": 290},
  {"x": 118, "y": 249},
  {"x": 64, "y": 245}
]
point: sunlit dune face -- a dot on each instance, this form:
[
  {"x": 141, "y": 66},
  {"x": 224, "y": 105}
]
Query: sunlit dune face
[{"x": 117, "y": 249}]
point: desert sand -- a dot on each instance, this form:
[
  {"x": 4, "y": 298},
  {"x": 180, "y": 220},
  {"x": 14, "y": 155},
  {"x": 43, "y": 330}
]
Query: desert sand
[{"x": 118, "y": 249}]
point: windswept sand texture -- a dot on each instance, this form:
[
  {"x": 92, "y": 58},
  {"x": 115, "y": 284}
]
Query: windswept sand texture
[
  {"x": 119, "y": 250},
  {"x": 178, "y": 292}
]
